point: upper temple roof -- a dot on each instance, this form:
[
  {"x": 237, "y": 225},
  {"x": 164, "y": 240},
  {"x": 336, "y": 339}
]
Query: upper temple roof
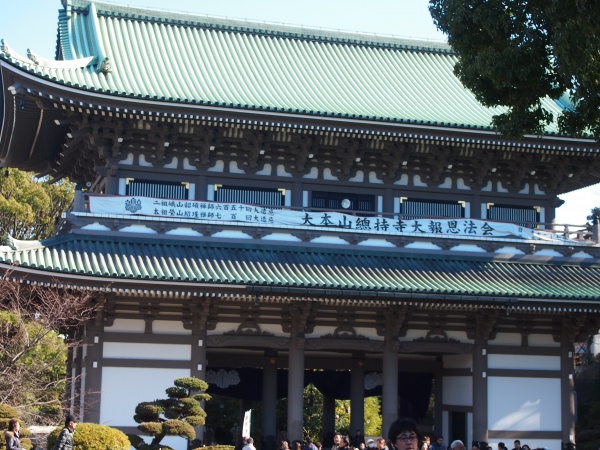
[{"x": 183, "y": 58}]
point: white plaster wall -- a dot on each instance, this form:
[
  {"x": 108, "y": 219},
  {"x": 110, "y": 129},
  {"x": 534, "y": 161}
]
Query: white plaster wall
[
  {"x": 403, "y": 181},
  {"x": 509, "y": 251},
  {"x": 232, "y": 234},
  {"x": 460, "y": 184},
  {"x": 138, "y": 229},
  {"x": 169, "y": 327},
  {"x": 359, "y": 177},
  {"x": 126, "y": 326},
  {"x": 523, "y": 362},
  {"x": 423, "y": 246},
  {"x": 274, "y": 328},
  {"x": 183, "y": 231},
  {"x": 506, "y": 339},
  {"x": 457, "y": 391},
  {"x": 459, "y": 336},
  {"x": 524, "y": 404},
  {"x": 457, "y": 361},
  {"x": 417, "y": 181},
  {"x": 281, "y": 237},
  {"x": 222, "y": 327},
  {"x": 376, "y": 243},
  {"x": 95, "y": 227},
  {"x": 172, "y": 164},
  {"x": 323, "y": 330},
  {"x": 548, "y": 252},
  {"x": 218, "y": 167},
  {"x": 468, "y": 248},
  {"x": 329, "y": 240},
  {"x": 582, "y": 255},
  {"x": 234, "y": 167},
  {"x": 134, "y": 350},
  {"x": 265, "y": 171},
  {"x": 542, "y": 340},
  {"x": 371, "y": 333},
  {"x": 281, "y": 172},
  {"x": 327, "y": 175},
  {"x": 447, "y": 184},
  {"x": 313, "y": 174},
  {"x": 319, "y": 331},
  {"x": 128, "y": 161},
  {"x": 143, "y": 162},
  {"x": 373, "y": 178},
  {"x": 124, "y": 387},
  {"x": 411, "y": 335}
]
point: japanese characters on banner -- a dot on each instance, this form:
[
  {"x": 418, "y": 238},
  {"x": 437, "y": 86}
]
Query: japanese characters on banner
[
  {"x": 262, "y": 216},
  {"x": 246, "y": 424}
]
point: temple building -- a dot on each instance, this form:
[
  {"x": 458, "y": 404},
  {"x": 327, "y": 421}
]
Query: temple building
[{"x": 265, "y": 206}]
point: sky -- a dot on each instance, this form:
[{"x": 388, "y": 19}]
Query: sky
[{"x": 31, "y": 24}]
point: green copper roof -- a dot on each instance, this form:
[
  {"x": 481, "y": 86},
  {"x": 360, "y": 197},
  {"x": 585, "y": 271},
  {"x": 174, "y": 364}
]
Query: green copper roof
[
  {"x": 162, "y": 56},
  {"x": 298, "y": 268}
]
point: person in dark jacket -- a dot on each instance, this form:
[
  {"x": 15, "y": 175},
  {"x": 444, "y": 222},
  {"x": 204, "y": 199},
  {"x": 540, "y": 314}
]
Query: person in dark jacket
[
  {"x": 65, "y": 439},
  {"x": 12, "y": 435}
]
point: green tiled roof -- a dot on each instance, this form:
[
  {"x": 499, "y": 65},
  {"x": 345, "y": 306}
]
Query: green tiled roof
[
  {"x": 171, "y": 57},
  {"x": 294, "y": 267}
]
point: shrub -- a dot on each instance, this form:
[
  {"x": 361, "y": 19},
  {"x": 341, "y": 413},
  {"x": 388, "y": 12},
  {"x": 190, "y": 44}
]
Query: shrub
[{"x": 91, "y": 436}]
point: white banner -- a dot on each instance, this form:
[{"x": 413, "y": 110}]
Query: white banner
[
  {"x": 246, "y": 424},
  {"x": 262, "y": 216}
]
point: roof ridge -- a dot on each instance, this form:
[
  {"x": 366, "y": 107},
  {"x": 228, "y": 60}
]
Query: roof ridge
[{"x": 272, "y": 29}]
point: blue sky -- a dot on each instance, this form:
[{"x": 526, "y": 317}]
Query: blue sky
[{"x": 32, "y": 24}]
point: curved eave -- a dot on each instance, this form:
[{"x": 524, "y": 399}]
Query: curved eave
[
  {"x": 97, "y": 102},
  {"x": 286, "y": 271}
]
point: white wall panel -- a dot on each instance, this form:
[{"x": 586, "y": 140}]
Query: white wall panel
[
  {"x": 458, "y": 391},
  {"x": 523, "y": 362},
  {"x": 124, "y": 387},
  {"x": 542, "y": 340},
  {"x": 507, "y": 339},
  {"x": 169, "y": 327},
  {"x": 126, "y": 326},
  {"x": 132, "y": 350},
  {"x": 524, "y": 404}
]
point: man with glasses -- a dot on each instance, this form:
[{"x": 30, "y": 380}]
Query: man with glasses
[{"x": 404, "y": 435}]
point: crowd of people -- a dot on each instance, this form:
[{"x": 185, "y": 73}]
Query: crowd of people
[{"x": 403, "y": 434}]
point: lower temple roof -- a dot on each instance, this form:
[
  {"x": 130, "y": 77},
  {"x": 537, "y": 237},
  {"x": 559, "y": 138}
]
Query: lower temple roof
[{"x": 301, "y": 270}]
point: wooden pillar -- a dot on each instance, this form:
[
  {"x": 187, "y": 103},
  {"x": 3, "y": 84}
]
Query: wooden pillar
[
  {"x": 269, "y": 401},
  {"x": 567, "y": 382},
  {"x": 299, "y": 314},
  {"x": 394, "y": 321},
  {"x": 357, "y": 395}
]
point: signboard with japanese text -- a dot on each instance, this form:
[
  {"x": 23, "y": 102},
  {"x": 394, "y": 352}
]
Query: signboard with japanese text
[{"x": 189, "y": 210}]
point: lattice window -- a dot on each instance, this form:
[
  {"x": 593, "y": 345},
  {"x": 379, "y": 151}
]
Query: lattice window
[
  {"x": 414, "y": 208},
  {"x": 157, "y": 189},
  {"x": 250, "y": 195},
  {"x": 335, "y": 200},
  {"x": 525, "y": 216}
]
